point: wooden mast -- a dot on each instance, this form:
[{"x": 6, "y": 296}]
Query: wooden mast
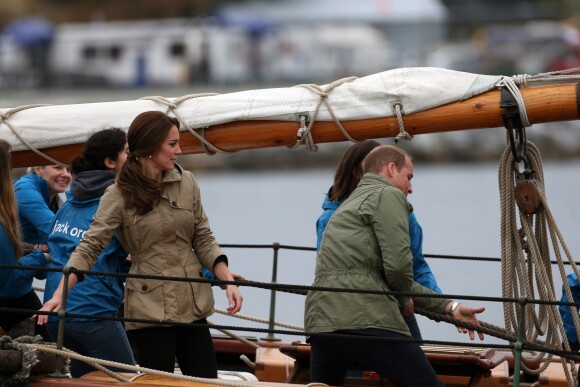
[{"x": 543, "y": 104}]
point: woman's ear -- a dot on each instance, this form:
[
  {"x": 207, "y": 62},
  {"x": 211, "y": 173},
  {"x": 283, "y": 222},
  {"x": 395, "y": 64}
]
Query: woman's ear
[{"x": 110, "y": 163}]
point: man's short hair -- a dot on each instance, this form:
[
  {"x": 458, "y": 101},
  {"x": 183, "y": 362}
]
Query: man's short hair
[{"x": 383, "y": 155}]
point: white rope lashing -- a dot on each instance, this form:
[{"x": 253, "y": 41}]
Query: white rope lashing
[
  {"x": 172, "y": 105},
  {"x": 5, "y": 119},
  {"x": 403, "y": 134},
  {"x": 512, "y": 83},
  {"x": 304, "y": 133}
]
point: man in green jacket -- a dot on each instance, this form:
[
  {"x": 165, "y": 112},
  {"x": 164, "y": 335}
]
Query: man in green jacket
[{"x": 366, "y": 246}]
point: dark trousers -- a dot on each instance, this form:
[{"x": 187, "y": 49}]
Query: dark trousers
[
  {"x": 413, "y": 326},
  {"x": 28, "y": 301},
  {"x": 403, "y": 364},
  {"x": 158, "y": 348},
  {"x": 99, "y": 339}
]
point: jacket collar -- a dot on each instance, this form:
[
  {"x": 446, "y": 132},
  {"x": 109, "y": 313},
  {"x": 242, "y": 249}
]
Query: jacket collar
[
  {"x": 173, "y": 175},
  {"x": 372, "y": 178}
]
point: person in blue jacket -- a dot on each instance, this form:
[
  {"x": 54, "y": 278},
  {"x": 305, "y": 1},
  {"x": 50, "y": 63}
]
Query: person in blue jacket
[
  {"x": 15, "y": 284},
  {"x": 346, "y": 178},
  {"x": 103, "y": 155},
  {"x": 566, "y": 312},
  {"x": 39, "y": 194}
]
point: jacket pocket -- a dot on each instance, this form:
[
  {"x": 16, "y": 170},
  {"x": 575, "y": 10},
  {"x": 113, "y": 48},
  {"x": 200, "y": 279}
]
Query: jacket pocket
[
  {"x": 202, "y": 293},
  {"x": 145, "y": 299}
]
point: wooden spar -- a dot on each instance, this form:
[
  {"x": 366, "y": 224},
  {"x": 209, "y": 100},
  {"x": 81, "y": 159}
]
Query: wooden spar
[{"x": 543, "y": 104}]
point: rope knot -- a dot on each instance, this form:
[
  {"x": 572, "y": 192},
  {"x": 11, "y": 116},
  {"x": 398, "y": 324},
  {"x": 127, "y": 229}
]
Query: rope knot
[
  {"x": 520, "y": 79},
  {"x": 3, "y": 117}
]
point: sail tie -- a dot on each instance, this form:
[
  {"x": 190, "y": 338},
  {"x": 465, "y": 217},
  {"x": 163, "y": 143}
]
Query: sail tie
[
  {"x": 512, "y": 83},
  {"x": 173, "y": 104},
  {"x": 4, "y": 119},
  {"x": 403, "y": 134},
  {"x": 304, "y": 134}
]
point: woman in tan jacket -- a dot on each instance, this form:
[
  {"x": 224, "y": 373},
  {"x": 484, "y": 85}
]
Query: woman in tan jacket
[{"x": 155, "y": 210}]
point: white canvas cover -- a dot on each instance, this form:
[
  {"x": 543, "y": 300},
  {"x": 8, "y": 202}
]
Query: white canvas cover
[{"x": 363, "y": 98}]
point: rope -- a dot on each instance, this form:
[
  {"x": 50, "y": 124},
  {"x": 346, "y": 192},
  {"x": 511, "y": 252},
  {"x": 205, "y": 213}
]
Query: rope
[
  {"x": 108, "y": 363},
  {"x": 512, "y": 83},
  {"x": 172, "y": 107},
  {"x": 4, "y": 119},
  {"x": 260, "y": 320},
  {"x": 304, "y": 133},
  {"x": 403, "y": 134},
  {"x": 522, "y": 277},
  {"x": 234, "y": 336},
  {"x": 29, "y": 358},
  {"x": 560, "y": 75}
]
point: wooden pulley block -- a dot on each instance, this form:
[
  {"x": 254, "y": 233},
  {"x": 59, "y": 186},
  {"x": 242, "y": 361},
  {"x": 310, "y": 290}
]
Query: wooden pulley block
[{"x": 527, "y": 197}]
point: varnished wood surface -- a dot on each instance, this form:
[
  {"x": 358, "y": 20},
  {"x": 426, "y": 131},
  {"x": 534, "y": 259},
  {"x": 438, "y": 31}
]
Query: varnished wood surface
[{"x": 543, "y": 104}]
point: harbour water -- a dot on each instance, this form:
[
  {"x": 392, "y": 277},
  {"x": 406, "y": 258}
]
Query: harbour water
[{"x": 457, "y": 206}]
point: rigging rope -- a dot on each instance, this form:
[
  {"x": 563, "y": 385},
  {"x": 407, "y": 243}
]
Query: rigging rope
[
  {"x": 172, "y": 105},
  {"x": 108, "y": 363},
  {"x": 304, "y": 134},
  {"x": 4, "y": 119},
  {"x": 29, "y": 358},
  {"x": 524, "y": 274}
]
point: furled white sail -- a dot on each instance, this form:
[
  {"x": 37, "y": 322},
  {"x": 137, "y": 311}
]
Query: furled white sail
[{"x": 373, "y": 96}]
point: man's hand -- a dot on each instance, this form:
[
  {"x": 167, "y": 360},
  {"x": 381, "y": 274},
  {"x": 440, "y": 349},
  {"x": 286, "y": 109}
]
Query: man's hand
[{"x": 468, "y": 314}]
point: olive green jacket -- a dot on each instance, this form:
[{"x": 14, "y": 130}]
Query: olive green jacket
[
  {"x": 160, "y": 243},
  {"x": 366, "y": 246}
]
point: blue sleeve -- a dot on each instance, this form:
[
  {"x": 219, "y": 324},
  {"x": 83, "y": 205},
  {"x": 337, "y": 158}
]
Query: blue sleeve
[
  {"x": 566, "y": 311},
  {"x": 13, "y": 282},
  {"x": 321, "y": 225},
  {"x": 208, "y": 274},
  {"x": 421, "y": 270},
  {"x": 33, "y": 208}
]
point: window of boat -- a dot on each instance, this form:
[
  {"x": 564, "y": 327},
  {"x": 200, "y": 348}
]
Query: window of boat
[
  {"x": 177, "y": 50},
  {"x": 89, "y": 52},
  {"x": 115, "y": 52}
]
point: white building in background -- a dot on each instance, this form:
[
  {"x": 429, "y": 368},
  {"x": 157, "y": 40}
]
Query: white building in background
[
  {"x": 128, "y": 53},
  {"x": 410, "y": 27},
  {"x": 283, "y": 41},
  {"x": 164, "y": 52}
]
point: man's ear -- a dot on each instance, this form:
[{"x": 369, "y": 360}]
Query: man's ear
[
  {"x": 391, "y": 167},
  {"x": 110, "y": 163}
]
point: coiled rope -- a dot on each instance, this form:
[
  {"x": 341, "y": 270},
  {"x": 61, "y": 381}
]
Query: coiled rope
[
  {"x": 522, "y": 277},
  {"x": 29, "y": 358}
]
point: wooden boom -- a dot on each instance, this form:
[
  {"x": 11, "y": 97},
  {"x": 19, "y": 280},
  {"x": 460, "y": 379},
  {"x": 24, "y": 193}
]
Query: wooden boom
[{"x": 543, "y": 104}]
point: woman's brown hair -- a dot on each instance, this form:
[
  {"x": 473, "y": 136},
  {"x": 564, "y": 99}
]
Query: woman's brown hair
[
  {"x": 349, "y": 171},
  {"x": 145, "y": 136},
  {"x": 8, "y": 211}
]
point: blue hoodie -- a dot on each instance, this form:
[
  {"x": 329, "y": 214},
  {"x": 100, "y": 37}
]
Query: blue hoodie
[
  {"x": 15, "y": 283},
  {"x": 421, "y": 271},
  {"x": 96, "y": 295},
  {"x": 35, "y": 216},
  {"x": 566, "y": 311}
]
